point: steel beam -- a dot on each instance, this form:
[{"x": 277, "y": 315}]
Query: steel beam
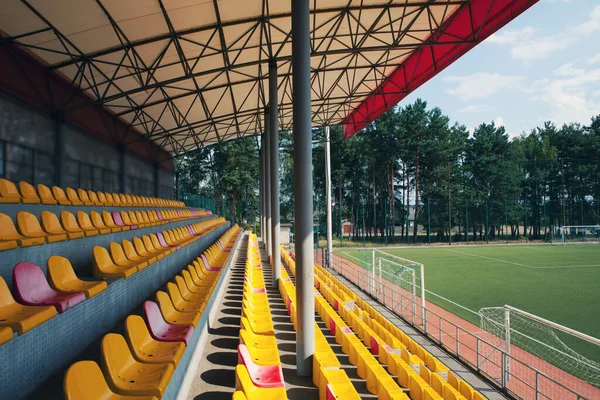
[
  {"x": 328, "y": 194},
  {"x": 274, "y": 165},
  {"x": 267, "y": 237},
  {"x": 303, "y": 188}
]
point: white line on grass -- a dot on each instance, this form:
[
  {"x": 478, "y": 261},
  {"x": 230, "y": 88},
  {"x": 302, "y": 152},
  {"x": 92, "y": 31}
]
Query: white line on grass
[
  {"x": 569, "y": 266},
  {"x": 493, "y": 259}
]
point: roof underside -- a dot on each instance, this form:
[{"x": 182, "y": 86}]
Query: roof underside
[{"x": 189, "y": 73}]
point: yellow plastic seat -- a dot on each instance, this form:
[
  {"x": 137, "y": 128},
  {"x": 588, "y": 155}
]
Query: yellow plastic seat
[
  {"x": 84, "y": 198},
  {"x": 18, "y": 317},
  {"x": 129, "y": 200},
  {"x": 239, "y": 395},
  {"x": 85, "y": 223},
  {"x": 340, "y": 385},
  {"x": 143, "y": 252},
  {"x": 116, "y": 199},
  {"x": 99, "y": 224},
  {"x": 73, "y": 198},
  {"x": 8, "y": 192},
  {"x": 171, "y": 315},
  {"x": 84, "y": 381},
  {"x": 52, "y": 225},
  {"x": 126, "y": 375},
  {"x": 109, "y": 222},
  {"x": 244, "y": 383},
  {"x": 9, "y": 235},
  {"x": 6, "y": 334},
  {"x": 60, "y": 196},
  {"x": 187, "y": 295},
  {"x": 94, "y": 198},
  {"x": 62, "y": 278},
  {"x": 157, "y": 245},
  {"x": 146, "y": 349},
  {"x": 104, "y": 267},
  {"x": 109, "y": 199},
  {"x": 118, "y": 255},
  {"x": 149, "y": 245},
  {"x": 132, "y": 255},
  {"x": 124, "y": 202},
  {"x": 183, "y": 305},
  {"x": 30, "y": 227},
  {"x": 28, "y": 193},
  {"x": 70, "y": 224},
  {"x": 134, "y": 220},
  {"x": 45, "y": 194}
]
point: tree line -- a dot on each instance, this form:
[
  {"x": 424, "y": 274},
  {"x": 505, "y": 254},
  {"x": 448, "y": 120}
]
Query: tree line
[{"x": 413, "y": 176}]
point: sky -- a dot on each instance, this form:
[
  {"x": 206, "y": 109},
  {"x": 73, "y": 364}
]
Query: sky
[{"x": 542, "y": 66}]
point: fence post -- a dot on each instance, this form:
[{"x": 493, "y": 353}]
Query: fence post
[
  {"x": 507, "y": 339},
  {"x": 429, "y": 221},
  {"x": 373, "y": 271}
]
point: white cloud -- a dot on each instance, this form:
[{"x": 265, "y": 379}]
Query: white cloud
[
  {"x": 539, "y": 48},
  {"x": 473, "y": 108},
  {"x": 511, "y": 36},
  {"x": 480, "y": 85},
  {"x": 568, "y": 70},
  {"x": 591, "y": 25},
  {"x": 593, "y": 60},
  {"x": 499, "y": 121}
]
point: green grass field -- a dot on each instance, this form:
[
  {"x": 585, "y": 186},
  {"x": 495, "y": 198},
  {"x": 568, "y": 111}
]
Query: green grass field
[{"x": 558, "y": 283}]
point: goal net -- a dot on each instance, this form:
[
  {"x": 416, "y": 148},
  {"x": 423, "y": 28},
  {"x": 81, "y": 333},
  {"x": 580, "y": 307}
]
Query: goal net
[
  {"x": 576, "y": 234},
  {"x": 536, "y": 341}
]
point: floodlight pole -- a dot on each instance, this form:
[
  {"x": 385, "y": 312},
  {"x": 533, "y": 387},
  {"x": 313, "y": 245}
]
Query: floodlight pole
[
  {"x": 274, "y": 156},
  {"x": 328, "y": 195},
  {"x": 267, "y": 237},
  {"x": 303, "y": 187}
]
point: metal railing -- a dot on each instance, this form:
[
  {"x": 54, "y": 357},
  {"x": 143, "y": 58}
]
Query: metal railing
[{"x": 466, "y": 343}]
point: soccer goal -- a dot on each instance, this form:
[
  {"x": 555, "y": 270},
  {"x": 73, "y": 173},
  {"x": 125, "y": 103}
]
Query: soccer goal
[
  {"x": 534, "y": 340},
  {"x": 572, "y": 234}
]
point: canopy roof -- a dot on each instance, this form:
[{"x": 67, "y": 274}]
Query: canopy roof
[{"x": 188, "y": 73}]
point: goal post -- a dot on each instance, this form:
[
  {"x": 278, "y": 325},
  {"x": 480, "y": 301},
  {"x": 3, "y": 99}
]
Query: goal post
[{"x": 572, "y": 234}]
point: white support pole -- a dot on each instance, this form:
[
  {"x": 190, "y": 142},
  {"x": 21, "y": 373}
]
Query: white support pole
[
  {"x": 372, "y": 271},
  {"x": 268, "y": 232},
  {"x": 507, "y": 338},
  {"x": 328, "y": 195},
  {"x": 261, "y": 187},
  {"x": 274, "y": 184},
  {"x": 303, "y": 188},
  {"x": 422, "y": 269},
  {"x": 380, "y": 278}
]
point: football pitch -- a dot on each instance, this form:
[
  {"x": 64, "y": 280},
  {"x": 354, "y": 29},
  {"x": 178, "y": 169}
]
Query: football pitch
[{"x": 559, "y": 283}]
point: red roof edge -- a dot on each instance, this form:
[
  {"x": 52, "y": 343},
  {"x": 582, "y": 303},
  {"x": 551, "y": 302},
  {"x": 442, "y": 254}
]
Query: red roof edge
[{"x": 471, "y": 22}]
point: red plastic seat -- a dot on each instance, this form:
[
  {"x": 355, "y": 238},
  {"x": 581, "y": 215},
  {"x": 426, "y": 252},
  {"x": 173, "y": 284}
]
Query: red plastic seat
[
  {"x": 162, "y": 330},
  {"x": 162, "y": 241},
  {"x": 119, "y": 221},
  {"x": 263, "y": 376},
  {"x": 207, "y": 264},
  {"x": 31, "y": 288}
]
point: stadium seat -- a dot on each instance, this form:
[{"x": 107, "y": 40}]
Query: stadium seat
[
  {"x": 84, "y": 381},
  {"x": 73, "y": 198},
  {"x": 9, "y": 192},
  {"x": 85, "y": 223},
  {"x": 94, "y": 198},
  {"x": 108, "y": 197},
  {"x": 21, "y": 318},
  {"x": 129, "y": 376},
  {"x": 263, "y": 376},
  {"x": 143, "y": 251},
  {"x": 148, "y": 350},
  {"x": 133, "y": 255},
  {"x": 109, "y": 222},
  {"x": 119, "y": 221},
  {"x": 62, "y": 277},
  {"x": 6, "y": 334},
  {"x": 83, "y": 196},
  {"x": 97, "y": 222},
  {"x": 30, "y": 227},
  {"x": 183, "y": 305},
  {"x": 172, "y": 315},
  {"x": 162, "y": 330},
  {"x": 28, "y": 193},
  {"x": 52, "y": 225},
  {"x": 45, "y": 194},
  {"x": 31, "y": 288},
  {"x": 70, "y": 224},
  {"x": 118, "y": 255},
  {"x": 9, "y": 235},
  {"x": 60, "y": 196},
  {"x": 104, "y": 267},
  {"x": 244, "y": 383}
]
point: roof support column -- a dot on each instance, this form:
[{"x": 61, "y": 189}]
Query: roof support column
[
  {"x": 261, "y": 200},
  {"x": 274, "y": 158},
  {"x": 303, "y": 188},
  {"x": 328, "y": 195},
  {"x": 268, "y": 233}
]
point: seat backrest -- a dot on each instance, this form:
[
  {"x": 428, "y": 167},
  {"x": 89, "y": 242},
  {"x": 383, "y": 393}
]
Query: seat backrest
[
  {"x": 97, "y": 220},
  {"x": 51, "y": 223},
  {"x": 128, "y": 200},
  {"x": 8, "y": 190},
  {"x": 161, "y": 239},
  {"x": 159, "y": 215},
  {"x": 93, "y": 197},
  {"x": 69, "y": 222},
  {"x": 85, "y": 380},
  {"x": 124, "y": 201},
  {"x": 84, "y": 221},
  {"x": 6, "y": 297},
  {"x": 7, "y": 228},
  {"x": 59, "y": 194},
  {"x": 29, "y": 225},
  {"x": 83, "y": 196},
  {"x": 137, "y": 331},
  {"x": 117, "y": 218},
  {"x": 28, "y": 191},
  {"x": 148, "y": 243},
  {"x": 102, "y": 258},
  {"x": 156, "y": 242},
  {"x": 133, "y": 218},
  {"x": 116, "y": 199},
  {"x": 183, "y": 287},
  {"x": 103, "y": 198},
  {"x": 60, "y": 270},
  {"x": 140, "y": 217},
  {"x": 125, "y": 218},
  {"x": 116, "y": 354},
  {"x": 116, "y": 251},
  {"x": 29, "y": 282},
  {"x": 139, "y": 247},
  {"x": 72, "y": 196},
  {"x": 45, "y": 193},
  {"x": 130, "y": 252},
  {"x": 108, "y": 219},
  {"x": 174, "y": 293}
]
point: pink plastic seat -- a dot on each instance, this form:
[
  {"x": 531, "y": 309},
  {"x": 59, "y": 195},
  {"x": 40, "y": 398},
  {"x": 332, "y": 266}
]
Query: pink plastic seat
[
  {"x": 191, "y": 230},
  {"x": 119, "y": 221},
  {"x": 31, "y": 288},
  {"x": 162, "y": 330},
  {"x": 159, "y": 215},
  {"x": 263, "y": 376},
  {"x": 163, "y": 242},
  {"x": 207, "y": 265}
]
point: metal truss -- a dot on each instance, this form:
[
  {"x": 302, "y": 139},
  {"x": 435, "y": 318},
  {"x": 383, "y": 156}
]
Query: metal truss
[{"x": 188, "y": 88}]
